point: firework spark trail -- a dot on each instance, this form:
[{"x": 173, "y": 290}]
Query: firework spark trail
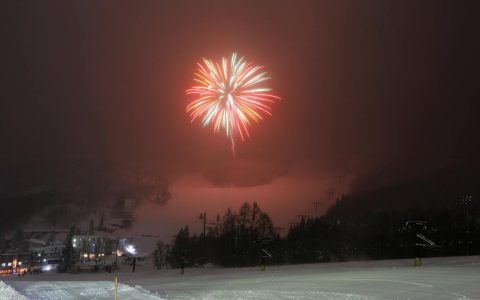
[{"x": 228, "y": 96}]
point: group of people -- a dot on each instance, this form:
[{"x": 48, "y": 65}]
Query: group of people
[{"x": 32, "y": 271}]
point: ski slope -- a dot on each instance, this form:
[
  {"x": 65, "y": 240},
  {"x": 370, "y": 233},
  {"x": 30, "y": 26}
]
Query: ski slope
[
  {"x": 70, "y": 290},
  {"x": 438, "y": 278}
]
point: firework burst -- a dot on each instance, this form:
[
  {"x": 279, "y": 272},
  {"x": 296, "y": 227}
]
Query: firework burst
[{"x": 230, "y": 96}]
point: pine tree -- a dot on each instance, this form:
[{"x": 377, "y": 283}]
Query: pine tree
[
  {"x": 162, "y": 251},
  {"x": 68, "y": 252}
]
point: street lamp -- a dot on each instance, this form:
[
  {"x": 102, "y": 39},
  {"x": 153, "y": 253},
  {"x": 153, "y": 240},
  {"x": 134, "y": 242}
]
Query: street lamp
[{"x": 467, "y": 201}]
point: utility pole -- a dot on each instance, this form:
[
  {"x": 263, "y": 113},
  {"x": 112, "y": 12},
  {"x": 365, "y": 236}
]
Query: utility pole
[
  {"x": 116, "y": 254},
  {"x": 316, "y": 204},
  {"x": 204, "y": 218},
  {"x": 330, "y": 193}
]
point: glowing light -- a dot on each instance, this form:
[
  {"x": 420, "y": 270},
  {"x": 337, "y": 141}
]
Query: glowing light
[
  {"x": 6, "y": 271},
  {"x": 130, "y": 249},
  {"x": 47, "y": 268},
  {"x": 230, "y": 96}
]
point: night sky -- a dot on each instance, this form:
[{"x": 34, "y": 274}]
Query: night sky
[{"x": 365, "y": 85}]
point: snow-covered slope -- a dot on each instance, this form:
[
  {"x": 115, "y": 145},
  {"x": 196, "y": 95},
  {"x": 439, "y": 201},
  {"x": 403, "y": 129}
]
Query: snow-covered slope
[
  {"x": 8, "y": 293},
  {"x": 438, "y": 278},
  {"x": 71, "y": 290}
]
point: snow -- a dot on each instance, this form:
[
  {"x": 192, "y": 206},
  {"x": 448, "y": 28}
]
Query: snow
[
  {"x": 75, "y": 290},
  {"x": 438, "y": 278},
  {"x": 272, "y": 294},
  {"x": 8, "y": 293}
]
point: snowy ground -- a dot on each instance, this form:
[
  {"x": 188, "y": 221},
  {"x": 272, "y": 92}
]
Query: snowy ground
[
  {"x": 439, "y": 278},
  {"x": 75, "y": 290}
]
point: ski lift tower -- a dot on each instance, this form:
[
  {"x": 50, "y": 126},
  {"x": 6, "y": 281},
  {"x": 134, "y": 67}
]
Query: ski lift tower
[
  {"x": 418, "y": 230},
  {"x": 264, "y": 253}
]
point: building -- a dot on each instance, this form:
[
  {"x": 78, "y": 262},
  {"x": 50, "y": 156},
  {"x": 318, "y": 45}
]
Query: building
[
  {"x": 17, "y": 263},
  {"x": 89, "y": 247}
]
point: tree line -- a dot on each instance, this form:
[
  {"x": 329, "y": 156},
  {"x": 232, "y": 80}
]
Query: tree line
[
  {"x": 345, "y": 232},
  {"x": 236, "y": 239}
]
